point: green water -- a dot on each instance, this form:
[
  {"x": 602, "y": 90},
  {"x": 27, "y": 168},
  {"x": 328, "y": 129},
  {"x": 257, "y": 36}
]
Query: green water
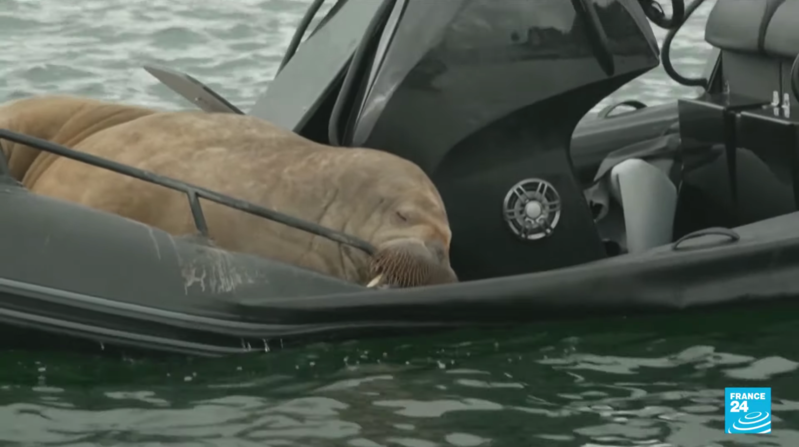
[{"x": 654, "y": 381}]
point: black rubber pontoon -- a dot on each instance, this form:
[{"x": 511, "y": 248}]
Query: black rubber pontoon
[{"x": 554, "y": 215}]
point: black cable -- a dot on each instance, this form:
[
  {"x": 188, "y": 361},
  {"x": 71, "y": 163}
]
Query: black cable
[
  {"x": 666, "y": 53},
  {"x": 654, "y": 11}
]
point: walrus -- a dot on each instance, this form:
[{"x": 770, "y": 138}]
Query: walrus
[
  {"x": 62, "y": 119},
  {"x": 371, "y": 194}
]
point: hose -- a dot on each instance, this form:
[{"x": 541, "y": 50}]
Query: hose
[
  {"x": 654, "y": 12},
  {"x": 666, "y": 52}
]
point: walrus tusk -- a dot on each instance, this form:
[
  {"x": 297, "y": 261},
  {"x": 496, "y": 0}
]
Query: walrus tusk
[{"x": 375, "y": 282}]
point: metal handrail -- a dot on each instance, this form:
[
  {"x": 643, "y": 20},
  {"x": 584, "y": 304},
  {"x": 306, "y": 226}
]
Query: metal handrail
[{"x": 193, "y": 192}]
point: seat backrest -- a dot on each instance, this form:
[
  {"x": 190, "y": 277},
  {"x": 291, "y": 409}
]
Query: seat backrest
[
  {"x": 740, "y": 25},
  {"x": 739, "y": 29},
  {"x": 782, "y": 43},
  {"x": 781, "y": 39}
]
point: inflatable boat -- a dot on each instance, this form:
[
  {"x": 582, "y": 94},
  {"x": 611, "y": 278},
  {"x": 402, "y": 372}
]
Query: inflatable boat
[{"x": 554, "y": 213}]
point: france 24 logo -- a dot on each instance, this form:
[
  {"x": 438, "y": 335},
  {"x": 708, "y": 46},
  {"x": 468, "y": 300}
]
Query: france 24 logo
[{"x": 747, "y": 410}]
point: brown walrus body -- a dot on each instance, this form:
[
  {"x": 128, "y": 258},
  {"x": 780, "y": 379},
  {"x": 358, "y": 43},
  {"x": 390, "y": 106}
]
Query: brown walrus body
[
  {"x": 64, "y": 120},
  {"x": 370, "y": 194}
]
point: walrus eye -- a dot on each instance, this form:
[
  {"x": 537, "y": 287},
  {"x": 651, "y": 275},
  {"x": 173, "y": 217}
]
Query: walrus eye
[{"x": 402, "y": 216}]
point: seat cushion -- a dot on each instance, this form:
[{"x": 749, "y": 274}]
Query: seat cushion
[
  {"x": 741, "y": 25},
  {"x": 782, "y": 35}
]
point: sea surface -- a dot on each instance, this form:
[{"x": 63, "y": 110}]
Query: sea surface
[{"x": 646, "y": 382}]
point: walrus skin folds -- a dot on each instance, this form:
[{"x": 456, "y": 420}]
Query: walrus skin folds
[{"x": 376, "y": 196}]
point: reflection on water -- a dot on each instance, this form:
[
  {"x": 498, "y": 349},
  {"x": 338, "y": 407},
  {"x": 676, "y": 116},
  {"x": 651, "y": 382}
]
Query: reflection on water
[
  {"x": 648, "y": 382},
  {"x": 653, "y": 382},
  {"x": 97, "y": 48}
]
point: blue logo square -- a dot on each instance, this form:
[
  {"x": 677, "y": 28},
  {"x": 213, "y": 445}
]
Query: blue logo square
[{"x": 747, "y": 410}]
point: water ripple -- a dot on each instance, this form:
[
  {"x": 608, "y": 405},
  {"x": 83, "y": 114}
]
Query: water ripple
[
  {"x": 532, "y": 386},
  {"x": 551, "y": 385}
]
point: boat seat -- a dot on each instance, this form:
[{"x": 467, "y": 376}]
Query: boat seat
[
  {"x": 647, "y": 199},
  {"x": 781, "y": 39},
  {"x": 756, "y": 111},
  {"x": 781, "y": 44},
  {"x": 740, "y": 25},
  {"x": 751, "y": 78},
  {"x": 739, "y": 28},
  {"x": 772, "y": 133}
]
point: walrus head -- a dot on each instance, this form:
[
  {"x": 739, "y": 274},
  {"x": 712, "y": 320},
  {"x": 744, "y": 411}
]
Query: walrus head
[
  {"x": 412, "y": 234},
  {"x": 411, "y": 263}
]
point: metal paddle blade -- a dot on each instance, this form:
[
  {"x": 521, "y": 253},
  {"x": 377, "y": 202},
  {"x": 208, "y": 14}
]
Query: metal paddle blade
[{"x": 195, "y": 91}]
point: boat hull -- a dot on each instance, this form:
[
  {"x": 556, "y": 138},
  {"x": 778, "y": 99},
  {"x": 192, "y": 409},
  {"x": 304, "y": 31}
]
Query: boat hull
[{"x": 69, "y": 271}]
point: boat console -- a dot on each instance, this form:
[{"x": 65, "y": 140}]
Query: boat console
[
  {"x": 484, "y": 96},
  {"x": 753, "y": 113}
]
